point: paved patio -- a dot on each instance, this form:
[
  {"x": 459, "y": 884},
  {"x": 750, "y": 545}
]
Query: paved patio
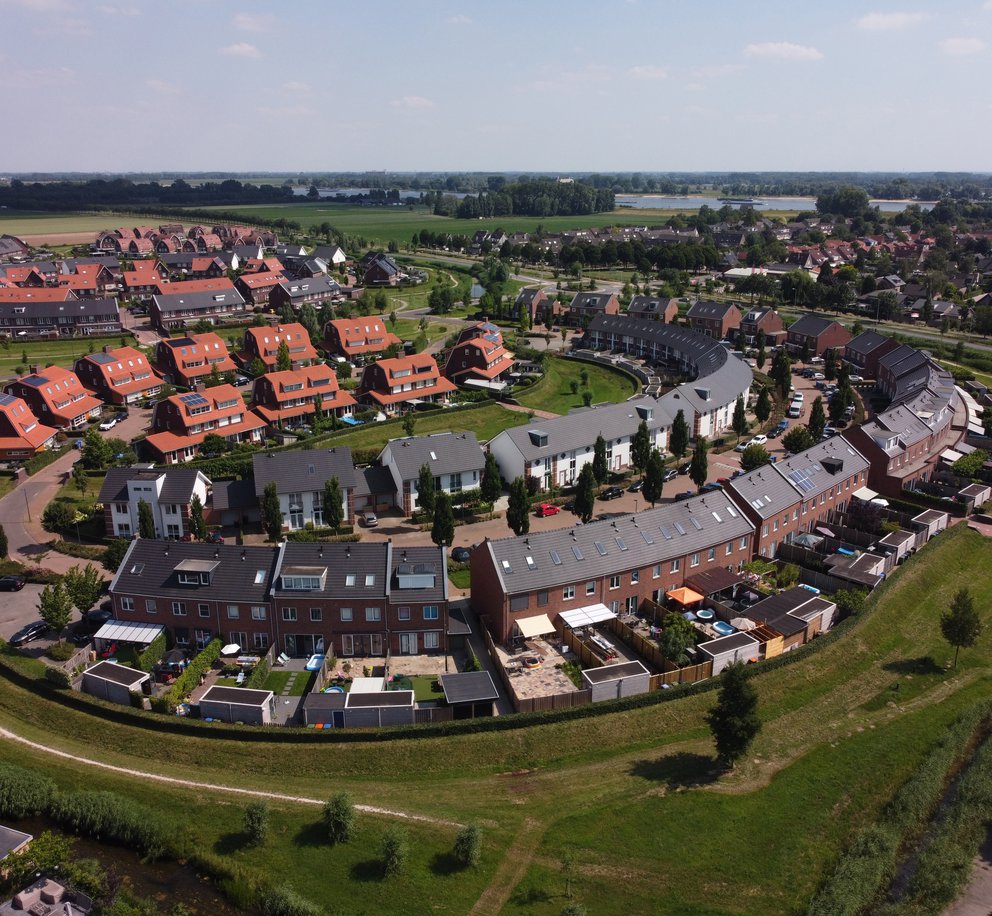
[{"x": 544, "y": 680}]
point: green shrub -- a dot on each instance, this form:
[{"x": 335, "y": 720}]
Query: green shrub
[
  {"x": 468, "y": 846},
  {"x": 189, "y": 679},
  {"x": 42, "y": 460},
  {"x": 82, "y": 551},
  {"x": 284, "y": 901},
  {"x": 23, "y": 793},
  {"x": 59, "y": 677},
  {"x": 258, "y": 676},
  {"x": 109, "y": 816},
  {"x": 395, "y": 851},
  {"x": 61, "y": 651},
  {"x": 256, "y": 822},
  {"x": 339, "y": 818}
]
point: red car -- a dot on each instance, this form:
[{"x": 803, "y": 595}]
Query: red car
[{"x": 546, "y": 509}]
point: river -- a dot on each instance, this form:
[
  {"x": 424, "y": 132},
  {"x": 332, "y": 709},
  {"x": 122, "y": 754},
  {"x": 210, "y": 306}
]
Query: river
[{"x": 694, "y": 202}]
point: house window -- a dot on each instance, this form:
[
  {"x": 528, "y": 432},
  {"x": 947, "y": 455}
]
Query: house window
[
  {"x": 202, "y": 637},
  {"x": 590, "y": 588},
  {"x": 694, "y": 560},
  {"x": 203, "y": 609},
  {"x": 179, "y": 608},
  {"x": 656, "y": 571},
  {"x": 403, "y": 613},
  {"x": 240, "y": 638},
  {"x": 776, "y": 524},
  {"x": 430, "y": 612},
  {"x": 150, "y": 606},
  {"x": 635, "y": 576},
  {"x": 261, "y": 640},
  {"x": 127, "y": 604},
  {"x": 289, "y": 614},
  {"x": 519, "y": 602},
  {"x": 258, "y": 613},
  {"x": 432, "y": 641},
  {"x": 568, "y": 592},
  {"x": 316, "y": 615},
  {"x": 729, "y": 548},
  {"x": 542, "y": 599},
  {"x": 373, "y": 614},
  {"x": 233, "y": 613},
  {"x": 744, "y": 541},
  {"x": 347, "y": 644},
  {"x": 676, "y": 565},
  {"x": 614, "y": 582},
  {"x": 346, "y": 615},
  {"x": 764, "y": 531}
]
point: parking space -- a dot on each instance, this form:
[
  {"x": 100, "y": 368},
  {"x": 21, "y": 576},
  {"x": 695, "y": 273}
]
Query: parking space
[{"x": 18, "y": 608}]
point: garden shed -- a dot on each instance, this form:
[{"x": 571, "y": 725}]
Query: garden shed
[
  {"x": 113, "y": 682},
  {"x": 371, "y": 710},
  {"x": 469, "y": 693},
  {"x": 609, "y": 682},
  {"x": 728, "y": 650},
  {"x": 238, "y": 704}
]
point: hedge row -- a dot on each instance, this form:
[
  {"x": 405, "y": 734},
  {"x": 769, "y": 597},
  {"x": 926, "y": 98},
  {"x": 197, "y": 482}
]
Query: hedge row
[
  {"x": 255, "y": 680},
  {"x": 189, "y": 679},
  {"x": 42, "y": 460},
  {"x": 868, "y": 865}
]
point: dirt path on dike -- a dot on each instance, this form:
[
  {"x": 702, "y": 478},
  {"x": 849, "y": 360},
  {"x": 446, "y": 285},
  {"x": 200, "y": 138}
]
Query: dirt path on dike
[
  {"x": 8, "y": 735},
  {"x": 510, "y": 871}
]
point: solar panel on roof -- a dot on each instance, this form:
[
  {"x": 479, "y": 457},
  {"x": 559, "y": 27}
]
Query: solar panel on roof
[
  {"x": 6, "y": 399},
  {"x": 101, "y": 358},
  {"x": 194, "y": 399}
]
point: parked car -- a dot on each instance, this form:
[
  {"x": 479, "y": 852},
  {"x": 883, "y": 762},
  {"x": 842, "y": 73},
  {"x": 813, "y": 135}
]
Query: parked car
[
  {"x": 670, "y": 474},
  {"x": 687, "y": 494},
  {"x": 818, "y": 377},
  {"x": 855, "y": 378},
  {"x": 240, "y": 380},
  {"x": 636, "y": 486},
  {"x": 108, "y": 424},
  {"x": 685, "y": 468},
  {"x": 546, "y": 509},
  {"x": 709, "y": 487},
  {"x": 461, "y": 554},
  {"x": 370, "y": 519},
  {"x": 11, "y": 583},
  {"x": 611, "y": 493},
  {"x": 829, "y": 431},
  {"x": 29, "y": 632},
  {"x": 98, "y": 616},
  {"x": 756, "y": 440}
]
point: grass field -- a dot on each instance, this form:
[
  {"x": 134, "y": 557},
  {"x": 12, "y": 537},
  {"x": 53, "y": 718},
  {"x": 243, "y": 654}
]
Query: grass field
[
  {"x": 63, "y": 352},
  {"x": 409, "y": 329},
  {"x": 553, "y": 392},
  {"x": 634, "y": 795},
  {"x": 37, "y": 223}
]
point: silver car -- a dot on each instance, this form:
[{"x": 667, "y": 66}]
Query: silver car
[{"x": 370, "y": 519}]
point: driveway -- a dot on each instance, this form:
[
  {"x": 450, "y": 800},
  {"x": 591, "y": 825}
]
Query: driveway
[{"x": 19, "y": 608}]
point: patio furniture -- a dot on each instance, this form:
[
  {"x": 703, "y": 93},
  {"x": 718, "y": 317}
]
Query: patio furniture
[{"x": 281, "y": 659}]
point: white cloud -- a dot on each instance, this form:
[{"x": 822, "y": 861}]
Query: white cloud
[
  {"x": 163, "y": 87},
  {"x": 648, "y": 72},
  {"x": 253, "y": 22},
  {"x": 241, "y": 49},
  {"x": 109, "y": 10},
  {"x": 459, "y": 19},
  {"x": 887, "y": 22},
  {"x": 412, "y": 103},
  {"x": 782, "y": 50},
  {"x": 296, "y": 86},
  {"x": 961, "y": 47},
  {"x": 39, "y": 6}
]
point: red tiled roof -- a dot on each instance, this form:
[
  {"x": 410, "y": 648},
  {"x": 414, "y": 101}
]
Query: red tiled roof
[
  {"x": 261, "y": 280},
  {"x": 195, "y": 286},
  {"x": 41, "y": 294}
]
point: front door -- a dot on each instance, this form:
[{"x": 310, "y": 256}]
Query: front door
[{"x": 408, "y": 643}]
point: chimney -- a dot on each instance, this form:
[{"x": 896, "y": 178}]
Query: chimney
[
  {"x": 200, "y": 387},
  {"x": 33, "y": 370}
]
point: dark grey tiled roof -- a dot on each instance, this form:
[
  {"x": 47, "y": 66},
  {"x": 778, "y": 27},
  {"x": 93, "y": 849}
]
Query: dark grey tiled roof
[
  {"x": 706, "y": 308},
  {"x": 867, "y": 342},
  {"x": 374, "y": 480},
  {"x": 469, "y": 687},
  {"x": 234, "y": 494},
  {"x": 178, "y": 302},
  {"x": 99, "y": 309},
  {"x": 443, "y": 453},
  {"x": 357, "y": 563},
  {"x": 306, "y": 470},
  {"x": 178, "y": 486},
  {"x": 811, "y": 325}
]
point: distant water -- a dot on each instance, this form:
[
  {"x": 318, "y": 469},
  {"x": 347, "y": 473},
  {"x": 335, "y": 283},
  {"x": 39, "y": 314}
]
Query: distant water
[{"x": 694, "y": 202}]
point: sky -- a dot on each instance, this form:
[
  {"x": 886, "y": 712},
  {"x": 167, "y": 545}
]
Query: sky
[{"x": 419, "y": 85}]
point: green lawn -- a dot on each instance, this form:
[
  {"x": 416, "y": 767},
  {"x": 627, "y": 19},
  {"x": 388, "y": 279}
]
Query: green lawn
[
  {"x": 460, "y": 578},
  {"x": 277, "y": 680},
  {"x": 409, "y": 329},
  {"x": 553, "y": 392},
  {"x": 421, "y": 685},
  {"x": 37, "y": 223},
  {"x": 41, "y": 353},
  {"x": 485, "y": 422}
]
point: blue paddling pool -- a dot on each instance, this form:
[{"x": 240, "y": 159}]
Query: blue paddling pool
[
  {"x": 724, "y": 629},
  {"x": 334, "y": 689},
  {"x": 314, "y": 662}
]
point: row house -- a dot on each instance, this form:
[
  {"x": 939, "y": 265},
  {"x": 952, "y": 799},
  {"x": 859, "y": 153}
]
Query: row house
[
  {"x": 168, "y": 492},
  {"x": 118, "y": 375},
  {"x": 655, "y": 308},
  {"x": 144, "y": 281},
  {"x": 313, "y": 291},
  {"x": 57, "y": 397},
  {"x": 540, "y": 308},
  {"x": 290, "y": 398},
  {"x": 60, "y": 314},
  {"x": 175, "y": 311},
  {"x": 89, "y": 281},
  {"x": 181, "y": 422},
  {"x": 765, "y": 320},
  {"x": 192, "y": 266},
  {"x": 456, "y": 462},
  {"x": 817, "y": 334},
  {"x": 263, "y": 344},
  {"x": 299, "y": 476},
  {"x": 554, "y": 450},
  {"x": 21, "y": 435},
  {"x": 394, "y": 384},
  {"x": 257, "y": 287},
  {"x": 586, "y": 306},
  {"x": 348, "y": 600},
  {"x": 12, "y": 247},
  {"x": 186, "y": 360},
  {"x": 479, "y": 356},
  {"x": 379, "y": 269},
  {"x": 263, "y": 265},
  {"x": 791, "y": 497},
  {"x": 862, "y": 353},
  {"x": 29, "y": 276},
  {"x": 617, "y": 563},
  {"x": 714, "y": 319},
  {"x": 358, "y": 337}
]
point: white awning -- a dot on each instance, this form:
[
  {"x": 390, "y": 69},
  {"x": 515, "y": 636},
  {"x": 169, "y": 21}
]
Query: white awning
[
  {"x": 141, "y": 634},
  {"x": 587, "y": 616},
  {"x": 483, "y": 383},
  {"x": 865, "y": 493},
  {"x": 950, "y": 456},
  {"x": 540, "y": 625}
]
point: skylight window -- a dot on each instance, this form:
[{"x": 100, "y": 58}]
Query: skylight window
[
  {"x": 369, "y": 580},
  {"x": 620, "y": 543},
  {"x": 506, "y": 566},
  {"x": 679, "y": 528},
  {"x": 259, "y": 576},
  {"x": 555, "y": 558},
  {"x": 601, "y": 549},
  {"x": 647, "y": 537},
  {"x": 137, "y": 569},
  {"x": 576, "y": 550},
  {"x": 696, "y": 523},
  {"x": 731, "y": 512},
  {"x": 349, "y": 580},
  {"x": 716, "y": 515},
  {"x": 666, "y": 532},
  {"x": 530, "y": 563}
]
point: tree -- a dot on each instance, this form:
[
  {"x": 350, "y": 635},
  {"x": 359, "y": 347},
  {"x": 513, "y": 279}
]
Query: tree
[
  {"x": 284, "y": 361},
  {"x": 754, "y": 456},
  {"x": 256, "y": 822},
  {"x": 804, "y": 353},
  {"x": 782, "y": 371},
  {"x": 734, "y": 720},
  {"x": 57, "y": 517},
  {"x": 491, "y": 485},
  {"x": 679, "y": 439},
  {"x": 830, "y": 365},
  {"x": 146, "y": 520},
  {"x": 817, "y": 420},
  {"x": 443, "y": 529},
  {"x": 468, "y": 846},
  {"x": 763, "y": 406},
  {"x": 80, "y": 478},
  {"x": 600, "y": 467},
  {"x": 213, "y": 379},
  {"x": 394, "y": 851},
  {"x": 426, "y": 491},
  {"x": 84, "y": 586},
  {"x": 640, "y": 446},
  {"x": 114, "y": 555},
  {"x": 797, "y": 439},
  {"x": 95, "y": 454},
  {"x": 654, "y": 477},
  {"x": 339, "y": 818},
  {"x": 585, "y": 494},
  {"x": 739, "y": 422},
  {"x": 256, "y": 367},
  {"x": 271, "y": 512},
  {"x": 960, "y": 624},
  {"x": 333, "y": 504},
  {"x": 197, "y": 526},
  {"x": 699, "y": 469},
  {"x": 677, "y": 636},
  {"x": 971, "y": 464},
  {"x": 55, "y": 607},
  {"x": 518, "y": 510},
  {"x": 841, "y": 401},
  {"x": 4, "y": 548}
]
